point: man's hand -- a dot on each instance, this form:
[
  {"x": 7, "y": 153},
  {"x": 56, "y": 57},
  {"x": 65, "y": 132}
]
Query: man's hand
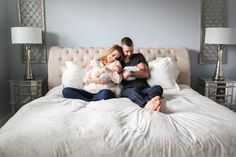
[{"x": 126, "y": 74}]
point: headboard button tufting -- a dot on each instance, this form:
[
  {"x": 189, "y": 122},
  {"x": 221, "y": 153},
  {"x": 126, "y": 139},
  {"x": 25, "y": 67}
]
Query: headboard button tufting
[{"x": 81, "y": 55}]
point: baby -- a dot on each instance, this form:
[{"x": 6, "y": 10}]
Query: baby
[
  {"x": 101, "y": 73},
  {"x": 106, "y": 77},
  {"x": 138, "y": 67}
]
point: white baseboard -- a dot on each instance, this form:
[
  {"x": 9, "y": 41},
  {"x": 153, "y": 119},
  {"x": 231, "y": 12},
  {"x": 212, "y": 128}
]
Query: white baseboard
[{"x": 4, "y": 119}]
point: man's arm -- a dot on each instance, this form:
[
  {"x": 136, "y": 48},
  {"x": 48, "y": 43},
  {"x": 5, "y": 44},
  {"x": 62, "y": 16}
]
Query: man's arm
[{"x": 143, "y": 73}]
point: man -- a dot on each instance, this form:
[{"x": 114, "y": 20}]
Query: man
[{"x": 138, "y": 90}]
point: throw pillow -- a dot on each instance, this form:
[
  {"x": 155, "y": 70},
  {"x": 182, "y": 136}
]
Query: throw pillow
[
  {"x": 72, "y": 75},
  {"x": 164, "y": 73}
]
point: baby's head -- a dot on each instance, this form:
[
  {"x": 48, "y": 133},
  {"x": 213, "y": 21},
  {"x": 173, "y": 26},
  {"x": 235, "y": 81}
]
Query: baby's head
[
  {"x": 142, "y": 66},
  {"x": 117, "y": 68}
]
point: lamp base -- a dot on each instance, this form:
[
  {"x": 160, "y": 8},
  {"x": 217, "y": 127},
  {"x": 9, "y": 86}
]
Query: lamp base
[
  {"x": 29, "y": 77},
  {"x": 218, "y": 76},
  {"x": 28, "y": 71}
]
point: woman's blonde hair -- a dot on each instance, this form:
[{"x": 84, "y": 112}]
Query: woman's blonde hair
[{"x": 109, "y": 50}]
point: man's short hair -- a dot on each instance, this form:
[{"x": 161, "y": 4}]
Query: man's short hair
[{"x": 127, "y": 41}]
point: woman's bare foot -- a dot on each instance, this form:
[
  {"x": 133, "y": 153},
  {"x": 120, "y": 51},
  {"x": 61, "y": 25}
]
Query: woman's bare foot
[{"x": 154, "y": 104}]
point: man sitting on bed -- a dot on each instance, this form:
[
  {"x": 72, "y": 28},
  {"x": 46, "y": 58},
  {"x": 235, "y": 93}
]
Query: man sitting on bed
[{"x": 138, "y": 90}]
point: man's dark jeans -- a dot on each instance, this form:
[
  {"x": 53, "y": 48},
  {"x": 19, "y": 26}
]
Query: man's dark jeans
[{"x": 141, "y": 96}]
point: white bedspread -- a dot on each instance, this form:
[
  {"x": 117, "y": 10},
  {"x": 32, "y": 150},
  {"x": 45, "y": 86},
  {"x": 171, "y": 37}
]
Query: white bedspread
[{"x": 52, "y": 126}]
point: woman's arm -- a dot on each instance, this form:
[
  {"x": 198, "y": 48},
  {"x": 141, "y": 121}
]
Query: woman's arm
[
  {"x": 92, "y": 80},
  {"x": 95, "y": 80},
  {"x": 115, "y": 77},
  {"x": 88, "y": 67}
]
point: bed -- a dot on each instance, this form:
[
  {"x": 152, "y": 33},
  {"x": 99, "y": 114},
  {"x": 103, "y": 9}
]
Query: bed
[{"x": 51, "y": 126}]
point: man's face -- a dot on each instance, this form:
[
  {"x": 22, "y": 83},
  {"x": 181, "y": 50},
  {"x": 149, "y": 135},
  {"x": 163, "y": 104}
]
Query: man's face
[{"x": 128, "y": 51}]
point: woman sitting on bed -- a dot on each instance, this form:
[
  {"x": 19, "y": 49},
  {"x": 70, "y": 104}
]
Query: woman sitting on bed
[{"x": 102, "y": 79}]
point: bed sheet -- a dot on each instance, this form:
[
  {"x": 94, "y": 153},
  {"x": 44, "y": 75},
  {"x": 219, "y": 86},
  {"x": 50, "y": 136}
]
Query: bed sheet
[{"x": 52, "y": 126}]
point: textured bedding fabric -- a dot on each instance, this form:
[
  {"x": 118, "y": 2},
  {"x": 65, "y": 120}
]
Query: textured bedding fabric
[{"x": 52, "y": 126}]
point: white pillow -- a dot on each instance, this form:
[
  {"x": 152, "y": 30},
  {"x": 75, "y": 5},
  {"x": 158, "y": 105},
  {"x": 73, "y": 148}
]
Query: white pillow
[
  {"x": 164, "y": 73},
  {"x": 72, "y": 75}
]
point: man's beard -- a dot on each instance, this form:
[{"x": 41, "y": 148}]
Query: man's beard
[{"x": 126, "y": 59}]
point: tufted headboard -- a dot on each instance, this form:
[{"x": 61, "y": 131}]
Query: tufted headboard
[{"x": 82, "y": 55}]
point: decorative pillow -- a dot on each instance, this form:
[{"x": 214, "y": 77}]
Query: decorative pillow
[
  {"x": 72, "y": 75},
  {"x": 164, "y": 73}
]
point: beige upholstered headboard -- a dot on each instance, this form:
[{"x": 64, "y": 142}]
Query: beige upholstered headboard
[{"x": 82, "y": 55}]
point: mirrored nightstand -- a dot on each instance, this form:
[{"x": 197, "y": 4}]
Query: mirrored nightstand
[
  {"x": 24, "y": 91},
  {"x": 222, "y": 92}
]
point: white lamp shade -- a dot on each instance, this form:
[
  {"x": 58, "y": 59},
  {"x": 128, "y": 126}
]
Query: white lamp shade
[
  {"x": 226, "y": 36},
  {"x": 26, "y": 35}
]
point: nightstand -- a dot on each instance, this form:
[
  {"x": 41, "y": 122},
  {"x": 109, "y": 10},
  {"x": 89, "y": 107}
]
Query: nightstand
[
  {"x": 222, "y": 92},
  {"x": 24, "y": 91}
]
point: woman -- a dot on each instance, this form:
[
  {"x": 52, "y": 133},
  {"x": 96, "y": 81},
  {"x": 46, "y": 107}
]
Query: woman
[{"x": 103, "y": 77}]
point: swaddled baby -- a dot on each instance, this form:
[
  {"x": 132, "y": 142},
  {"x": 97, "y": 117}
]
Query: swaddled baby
[
  {"x": 138, "y": 67},
  {"x": 104, "y": 76},
  {"x": 102, "y": 73},
  {"x": 96, "y": 70}
]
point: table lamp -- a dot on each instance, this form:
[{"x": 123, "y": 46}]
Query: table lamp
[
  {"x": 27, "y": 36},
  {"x": 220, "y": 37}
]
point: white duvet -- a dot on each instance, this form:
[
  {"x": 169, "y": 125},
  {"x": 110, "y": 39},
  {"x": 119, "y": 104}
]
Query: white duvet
[{"x": 52, "y": 126}]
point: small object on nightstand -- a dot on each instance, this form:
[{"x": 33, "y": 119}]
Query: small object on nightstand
[
  {"x": 24, "y": 91},
  {"x": 222, "y": 92}
]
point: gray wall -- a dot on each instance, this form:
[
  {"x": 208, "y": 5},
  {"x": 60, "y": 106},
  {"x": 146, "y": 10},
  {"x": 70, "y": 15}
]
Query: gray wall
[
  {"x": 229, "y": 68},
  {"x": 100, "y": 23},
  {"x": 152, "y": 23},
  {"x": 4, "y": 94}
]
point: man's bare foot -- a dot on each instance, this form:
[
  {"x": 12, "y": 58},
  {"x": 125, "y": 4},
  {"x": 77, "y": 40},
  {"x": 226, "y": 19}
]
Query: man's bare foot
[{"x": 154, "y": 104}]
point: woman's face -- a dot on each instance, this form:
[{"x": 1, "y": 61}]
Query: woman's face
[{"x": 115, "y": 55}]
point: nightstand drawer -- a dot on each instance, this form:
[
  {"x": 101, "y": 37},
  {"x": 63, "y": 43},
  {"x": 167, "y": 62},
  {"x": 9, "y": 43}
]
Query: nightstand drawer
[
  {"x": 24, "y": 99},
  {"x": 28, "y": 89},
  {"x": 222, "y": 92},
  {"x": 24, "y": 91}
]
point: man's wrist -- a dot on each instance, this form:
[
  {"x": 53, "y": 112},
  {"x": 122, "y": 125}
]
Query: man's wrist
[{"x": 132, "y": 74}]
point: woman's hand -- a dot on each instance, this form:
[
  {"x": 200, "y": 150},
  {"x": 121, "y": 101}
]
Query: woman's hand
[
  {"x": 92, "y": 80},
  {"x": 96, "y": 80},
  {"x": 101, "y": 70},
  {"x": 88, "y": 67}
]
